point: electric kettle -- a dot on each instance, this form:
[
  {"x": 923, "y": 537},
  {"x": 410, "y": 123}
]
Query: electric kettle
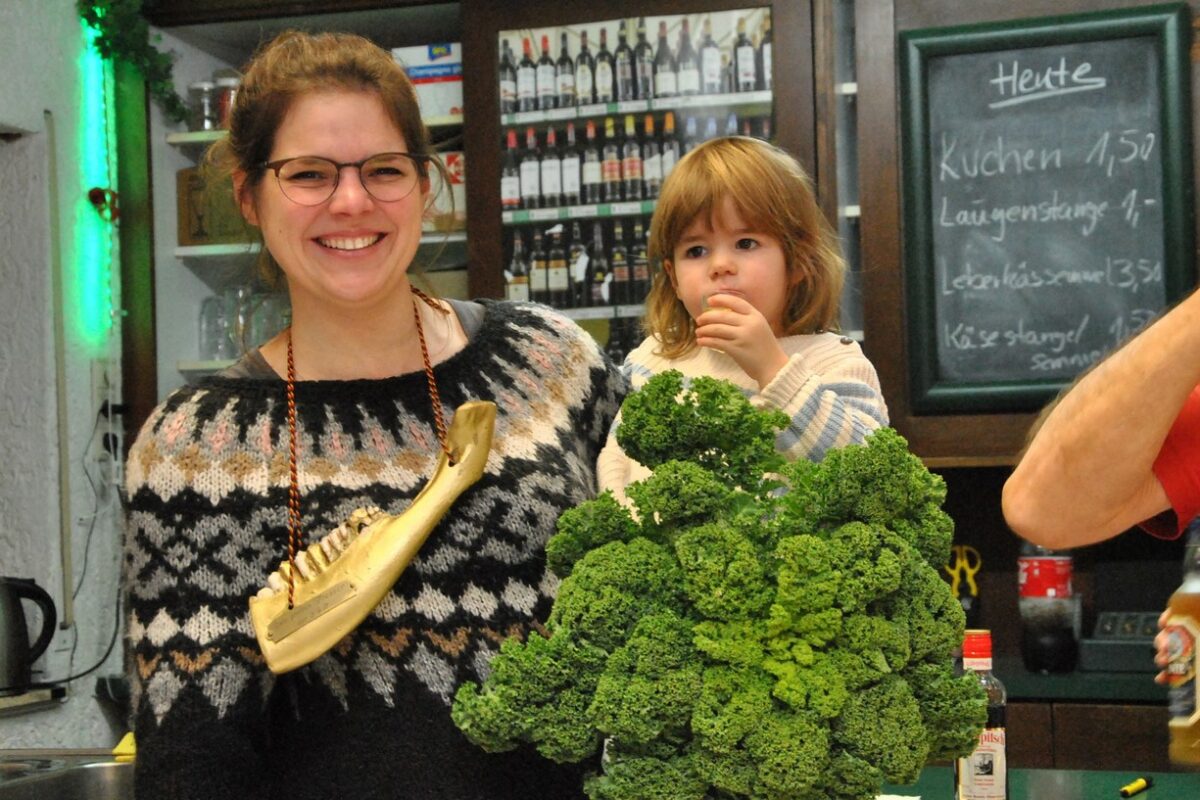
[{"x": 16, "y": 655}]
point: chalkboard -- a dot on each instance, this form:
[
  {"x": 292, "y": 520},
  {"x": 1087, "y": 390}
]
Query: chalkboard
[{"x": 1048, "y": 199}]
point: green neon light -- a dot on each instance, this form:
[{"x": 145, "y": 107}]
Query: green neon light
[{"x": 89, "y": 276}]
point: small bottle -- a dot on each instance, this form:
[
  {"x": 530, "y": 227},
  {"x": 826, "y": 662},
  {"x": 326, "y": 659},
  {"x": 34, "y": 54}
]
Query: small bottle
[
  {"x": 516, "y": 277},
  {"x": 526, "y": 79},
  {"x": 983, "y": 775},
  {"x": 508, "y": 79},
  {"x": 546, "y": 78},
  {"x": 1183, "y": 633},
  {"x": 1049, "y": 609}
]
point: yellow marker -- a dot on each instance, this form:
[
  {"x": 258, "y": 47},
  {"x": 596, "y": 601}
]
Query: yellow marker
[
  {"x": 1136, "y": 787},
  {"x": 126, "y": 749}
]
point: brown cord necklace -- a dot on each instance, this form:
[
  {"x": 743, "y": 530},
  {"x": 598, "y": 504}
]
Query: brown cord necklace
[{"x": 294, "y": 479}]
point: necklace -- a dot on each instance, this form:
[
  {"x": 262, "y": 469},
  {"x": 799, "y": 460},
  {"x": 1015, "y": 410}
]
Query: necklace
[{"x": 294, "y": 535}]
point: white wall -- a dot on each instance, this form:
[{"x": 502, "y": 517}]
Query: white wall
[{"x": 41, "y": 42}]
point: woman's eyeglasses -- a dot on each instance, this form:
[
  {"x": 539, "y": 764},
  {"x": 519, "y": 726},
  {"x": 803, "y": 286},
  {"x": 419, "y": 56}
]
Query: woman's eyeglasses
[{"x": 311, "y": 180}]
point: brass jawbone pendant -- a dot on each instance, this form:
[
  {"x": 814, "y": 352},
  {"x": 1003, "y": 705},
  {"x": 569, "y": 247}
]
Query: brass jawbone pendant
[{"x": 344, "y": 576}]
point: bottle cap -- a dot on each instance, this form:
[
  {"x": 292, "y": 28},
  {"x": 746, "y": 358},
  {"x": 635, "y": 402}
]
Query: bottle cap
[{"x": 977, "y": 644}]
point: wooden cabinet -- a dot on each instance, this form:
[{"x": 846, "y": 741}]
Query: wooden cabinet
[{"x": 1093, "y": 736}]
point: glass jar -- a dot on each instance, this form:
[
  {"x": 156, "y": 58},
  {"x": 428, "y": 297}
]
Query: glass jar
[
  {"x": 202, "y": 104},
  {"x": 226, "y": 90}
]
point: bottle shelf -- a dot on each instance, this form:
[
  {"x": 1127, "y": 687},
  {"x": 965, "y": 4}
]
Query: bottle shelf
[
  {"x": 756, "y": 102},
  {"x": 629, "y": 208},
  {"x": 603, "y": 312}
]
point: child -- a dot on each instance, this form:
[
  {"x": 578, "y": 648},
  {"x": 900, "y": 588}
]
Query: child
[{"x": 748, "y": 290}]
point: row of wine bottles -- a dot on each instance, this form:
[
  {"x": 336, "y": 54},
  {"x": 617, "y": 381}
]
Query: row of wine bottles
[
  {"x": 568, "y": 271},
  {"x": 635, "y": 72},
  {"x": 628, "y": 164}
]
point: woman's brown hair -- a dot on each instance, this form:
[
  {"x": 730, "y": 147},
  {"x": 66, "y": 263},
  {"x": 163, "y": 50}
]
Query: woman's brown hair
[
  {"x": 772, "y": 193},
  {"x": 293, "y": 64}
]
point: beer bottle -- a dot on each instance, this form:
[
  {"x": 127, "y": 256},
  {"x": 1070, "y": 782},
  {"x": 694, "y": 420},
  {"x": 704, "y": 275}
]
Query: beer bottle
[{"x": 1183, "y": 634}]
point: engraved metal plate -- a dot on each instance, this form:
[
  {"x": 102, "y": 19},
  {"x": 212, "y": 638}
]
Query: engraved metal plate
[{"x": 293, "y": 619}]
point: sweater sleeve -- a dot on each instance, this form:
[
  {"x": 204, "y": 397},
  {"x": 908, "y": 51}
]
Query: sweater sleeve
[{"x": 831, "y": 395}]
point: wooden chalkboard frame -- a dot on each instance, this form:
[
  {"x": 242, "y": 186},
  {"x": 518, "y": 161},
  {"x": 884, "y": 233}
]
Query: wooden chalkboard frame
[{"x": 1170, "y": 27}]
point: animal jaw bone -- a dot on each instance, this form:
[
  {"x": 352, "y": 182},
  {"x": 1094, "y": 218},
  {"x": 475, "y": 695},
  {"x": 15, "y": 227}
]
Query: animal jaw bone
[{"x": 348, "y": 572}]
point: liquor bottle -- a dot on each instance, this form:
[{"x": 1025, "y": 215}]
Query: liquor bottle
[
  {"x": 606, "y": 89},
  {"x": 618, "y": 258},
  {"x": 744, "y": 56},
  {"x": 631, "y": 161},
  {"x": 665, "y": 84},
  {"x": 591, "y": 169},
  {"x": 526, "y": 79},
  {"x": 510, "y": 176},
  {"x": 710, "y": 129},
  {"x": 577, "y": 264},
  {"x": 610, "y": 163},
  {"x": 731, "y": 125},
  {"x": 551, "y": 171},
  {"x": 643, "y": 63},
  {"x": 585, "y": 73},
  {"x": 690, "y": 137},
  {"x": 570, "y": 169},
  {"x": 508, "y": 79},
  {"x": 670, "y": 145},
  {"x": 688, "y": 63},
  {"x": 765, "y": 130},
  {"x": 565, "y": 75},
  {"x": 558, "y": 278},
  {"x": 623, "y": 64},
  {"x": 652, "y": 168},
  {"x": 547, "y": 78},
  {"x": 539, "y": 287},
  {"x": 747, "y": 128},
  {"x": 615, "y": 348},
  {"x": 1049, "y": 609},
  {"x": 764, "y": 54},
  {"x": 531, "y": 172},
  {"x": 639, "y": 263},
  {"x": 983, "y": 775},
  {"x": 710, "y": 60},
  {"x": 1183, "y": 636},
  {"x": 598, "y": 276},
  {"x": 516, "y": 277}
]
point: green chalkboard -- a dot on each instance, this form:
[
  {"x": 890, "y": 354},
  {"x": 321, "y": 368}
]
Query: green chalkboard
[{"x": 1047, "y": 202}]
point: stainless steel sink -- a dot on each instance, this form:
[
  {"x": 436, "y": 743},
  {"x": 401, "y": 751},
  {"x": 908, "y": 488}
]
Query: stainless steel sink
[{"x": 57, "y": 779}]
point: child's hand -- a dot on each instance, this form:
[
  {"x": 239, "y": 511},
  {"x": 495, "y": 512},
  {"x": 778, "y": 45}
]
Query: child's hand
[{"x": 735, "y": 327}]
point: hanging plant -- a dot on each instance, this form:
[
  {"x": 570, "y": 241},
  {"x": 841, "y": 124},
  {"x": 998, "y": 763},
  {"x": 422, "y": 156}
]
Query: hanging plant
[{"x": 122, "y": 33}]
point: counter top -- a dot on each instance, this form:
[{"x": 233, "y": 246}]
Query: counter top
[
  {"x": 937, "y": 783},
  {"x": 1109, "y": 687}
]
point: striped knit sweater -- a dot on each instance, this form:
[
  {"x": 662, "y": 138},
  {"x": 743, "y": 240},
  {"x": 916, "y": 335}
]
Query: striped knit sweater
[
  {"x": 207, "y": 484},
  {"x": 828, "y": 388}
]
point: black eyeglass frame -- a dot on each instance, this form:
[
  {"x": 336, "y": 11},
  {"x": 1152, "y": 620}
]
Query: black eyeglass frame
[{"x": 420, "y": 161}]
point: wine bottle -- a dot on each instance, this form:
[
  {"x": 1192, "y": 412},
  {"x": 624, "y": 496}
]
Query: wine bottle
[
  {"x": 558, "y": 279},
  {"x": 606, "y": 90},
  {"x": 710, "y": 60},
  {"x": 688, "y": 63},
  {"x": 527, "y": 79},
  {"x": 618, "y": 256},
  {"x": 570, "y": 169},
  {"x": 591, "y": 169},
  {"x": 670, "y": 145},
  {"x": 710, "y": 129},
  {"x": 639, "y": 262},
  {"x": 652, "y": 174},
  {"x": 508, "y": 79},
  {"x": 623, "y": 64},
  {"x": 585, "y": 73},
  {"x": 551, "y": 171},
  {"x": 665, "y": 84},
  {"x": 547, "y": 78},
  {"x": 643, "y": 63},
  {"x": 631, "y": 161},
  {"x": 565, "y": 72},
  {"x": 610, "y": 164},
  {"x": 598, "y": 275},
  {"x": 577, "y": 263},
  {"x": 531, "y": 172},
  {"x": 691, "y": 137},
  {"x": 745, "y": 56},
  {"x": 510, "y": 176},
  {"x": 539, "y": 286},
  {"x": 516, "y": 277},
  {"x": 764, "y": 53},
  {"x": 731, "y": 124}
]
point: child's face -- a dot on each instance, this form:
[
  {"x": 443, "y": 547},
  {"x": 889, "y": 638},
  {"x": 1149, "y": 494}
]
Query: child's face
[{"x": 733, "y": 258}]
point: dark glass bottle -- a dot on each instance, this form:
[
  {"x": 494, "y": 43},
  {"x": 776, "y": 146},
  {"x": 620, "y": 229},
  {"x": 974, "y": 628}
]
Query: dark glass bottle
[
  {"x": 592, "y": 167},
  {"x": 665, "y": 84},
  {"x": 526, "y": 79},
  {"x": 691, "y": 137},
  {"x": 623, "y": 64},
  {"x": 643, "y": 63},
  {"x": 570, "y": 169},
  {"x": 510, "y": 176},
  {"x": 710, "y": 60},
  {"x": 622, "y": 274},
  {"x": 539, "y": 284},
  {"x": 639, "y": 264},
  {"x": 764, "y": 54},
  {"x": 606, "y": 88},
  {"x": 508, "y": 79},
  {"x": 531, "y": 172},
  {"x": 745, "y": 58},
  {"x": 652, "y": 167},
  {"x": 610, "y": 164},
  {"x": 516, "y": 277},
  {"x": 983, "y": 775},
  {"x": 687, "y": 63},
  {"x": 551, "y": 172},
  {"x": 598, "y": 274},
  {"x": 577, "y": 263},
  {"x": 547, "y": 78},
  {"x": 564, "y": 70},
  {"x": 558, "y": 279},
  {"x": 631, "y": 161},
  {"x": 585, "y": 73},
  {"x": 670, "y": 145}
]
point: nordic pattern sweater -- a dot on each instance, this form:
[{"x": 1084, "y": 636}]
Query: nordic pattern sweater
[{"x": 206, "y": 488}]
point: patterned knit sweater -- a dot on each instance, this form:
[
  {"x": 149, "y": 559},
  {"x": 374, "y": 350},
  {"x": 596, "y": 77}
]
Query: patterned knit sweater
[
  {"x": 827, "y": 387},
  {"x": 207, "y": 485}
]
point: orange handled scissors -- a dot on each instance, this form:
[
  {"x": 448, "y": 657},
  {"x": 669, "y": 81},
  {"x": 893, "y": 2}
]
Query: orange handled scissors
[{"x": 965, "y": 562}]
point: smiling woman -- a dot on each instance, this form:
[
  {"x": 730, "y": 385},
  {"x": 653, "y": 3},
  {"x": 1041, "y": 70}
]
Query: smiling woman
[{"x": 342, "y": 411}]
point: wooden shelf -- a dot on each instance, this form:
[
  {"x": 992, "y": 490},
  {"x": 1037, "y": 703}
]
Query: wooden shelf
[{"x": 757, "y": 102}]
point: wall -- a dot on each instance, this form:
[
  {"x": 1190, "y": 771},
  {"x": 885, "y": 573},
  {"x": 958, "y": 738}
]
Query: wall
[{"x": 41, "y": 44}]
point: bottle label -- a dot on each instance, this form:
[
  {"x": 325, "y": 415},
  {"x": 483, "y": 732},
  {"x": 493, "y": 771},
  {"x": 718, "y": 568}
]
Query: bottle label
[
  {"x": 669, "y": 157},
  {"x": 546, "y": 81},
  {"x": 1044, "y": 576},
  {"x": 570, "y": 175},
  {"x": 530, "y": 184},
  {"x": 689, "y": 81},
  {"x": 551, "y": 177},
  {"x": 652, "y": 168},
  {"x": 631, "y": 168},
  {"x": 508, "y": 91},
  {"x": 710, "y": 63},
  {"x": 604, "y": 82},
  {"x": 583, "y": 83},
  {"x": 558, "y": 277},
  {"x": 611, "y": 170},
  {"x": 983, "y": 775},
  {"x": 766, "y": 59},
  {"x": 664, "y": 83},
  {"x": 510, "y": 191},
  {"x": 591, "y": 173},
  {"x": 1182, "y": 634},
  {"x": 745, "y": 65},
  {"x": 566, "y": 84},
  {"x": 526, "y": 83},
  {"x": 517, "y": 289}
]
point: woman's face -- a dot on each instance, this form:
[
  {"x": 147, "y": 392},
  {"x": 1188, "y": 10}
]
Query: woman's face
[{"x": 352, "y": 250}]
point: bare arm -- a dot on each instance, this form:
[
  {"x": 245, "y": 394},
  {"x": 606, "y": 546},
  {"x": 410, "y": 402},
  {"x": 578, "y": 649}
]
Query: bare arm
[{"x": 1087, "y": 474}]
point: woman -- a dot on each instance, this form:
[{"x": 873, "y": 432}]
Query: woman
[{"x": 330, "y": 162}]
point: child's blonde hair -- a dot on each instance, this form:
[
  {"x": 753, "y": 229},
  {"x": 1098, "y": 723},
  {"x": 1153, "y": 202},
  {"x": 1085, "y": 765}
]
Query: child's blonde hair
[{"x": 773, "y": 194}]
